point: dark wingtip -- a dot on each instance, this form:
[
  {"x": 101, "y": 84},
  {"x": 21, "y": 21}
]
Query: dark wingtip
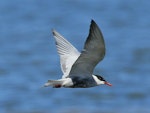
[
  {"x": 53, "y": 32},
  {"x": 93, "y": 22},
  {"x": 93, "y": 26}
]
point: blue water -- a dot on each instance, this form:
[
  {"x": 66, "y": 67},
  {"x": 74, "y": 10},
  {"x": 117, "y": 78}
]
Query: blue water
[{"x": 28, "y": 56}]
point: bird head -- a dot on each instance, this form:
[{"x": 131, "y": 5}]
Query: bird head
[{"x": 101, "y": 80}]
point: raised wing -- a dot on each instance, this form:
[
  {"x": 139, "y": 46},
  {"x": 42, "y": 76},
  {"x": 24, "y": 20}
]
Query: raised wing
[
  {"x": 93, "y": 52},
  {"x": 67, "y": 52}
]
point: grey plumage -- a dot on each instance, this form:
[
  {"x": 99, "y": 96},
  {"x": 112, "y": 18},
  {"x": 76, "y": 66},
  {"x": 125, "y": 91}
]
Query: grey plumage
[{"x": 92, "y": 54}]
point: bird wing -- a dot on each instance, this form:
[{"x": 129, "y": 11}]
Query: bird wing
[
  {"x": 93, "y": 52},
  {"x": 67, "y": 52}
]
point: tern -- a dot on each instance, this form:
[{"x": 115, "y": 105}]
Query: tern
[{"x": 78, "y": 67}]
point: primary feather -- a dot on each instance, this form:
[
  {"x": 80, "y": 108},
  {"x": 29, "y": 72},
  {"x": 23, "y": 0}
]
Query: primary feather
[{"x": 67, "y": 52}]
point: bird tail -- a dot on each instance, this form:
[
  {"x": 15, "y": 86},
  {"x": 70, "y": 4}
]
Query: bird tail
[{"x": 54, "y": 83}]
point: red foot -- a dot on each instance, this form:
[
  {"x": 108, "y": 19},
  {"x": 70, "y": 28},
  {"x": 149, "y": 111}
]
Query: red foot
[{"x": 57, "y": 86}]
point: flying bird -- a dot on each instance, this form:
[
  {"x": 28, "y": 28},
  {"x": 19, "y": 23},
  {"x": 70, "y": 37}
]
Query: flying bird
[{"x": 77, "y": 67}]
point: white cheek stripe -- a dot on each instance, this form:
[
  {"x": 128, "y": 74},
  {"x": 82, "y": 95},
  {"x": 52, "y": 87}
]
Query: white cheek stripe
[{"x": 97, "y": 80}]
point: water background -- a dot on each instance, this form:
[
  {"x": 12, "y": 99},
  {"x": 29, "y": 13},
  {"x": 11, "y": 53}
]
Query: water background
[{"x": 28, "y": 56}]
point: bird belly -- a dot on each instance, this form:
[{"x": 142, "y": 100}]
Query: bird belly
[{"x": 83, "y": 82}]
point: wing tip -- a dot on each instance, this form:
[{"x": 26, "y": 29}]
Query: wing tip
[
  {"x": 93, "y": 21},
  {"x": 54, "y": 32}
]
